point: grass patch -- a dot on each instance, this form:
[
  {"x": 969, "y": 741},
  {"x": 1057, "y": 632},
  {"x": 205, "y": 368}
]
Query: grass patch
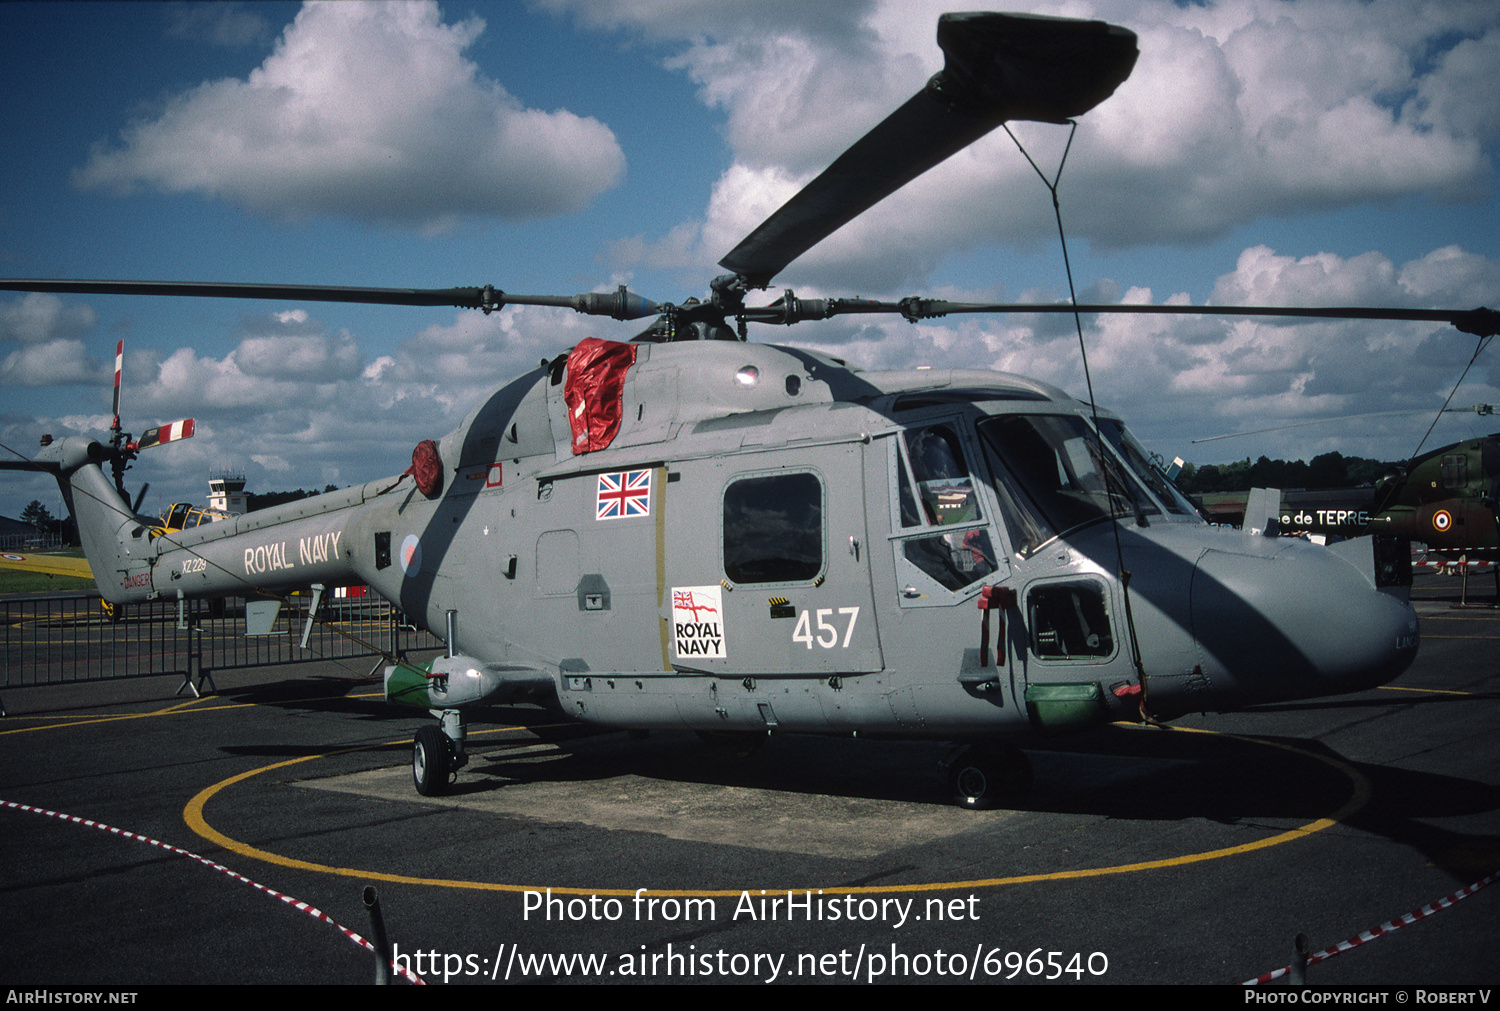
[{"x": 16, "y": 581}]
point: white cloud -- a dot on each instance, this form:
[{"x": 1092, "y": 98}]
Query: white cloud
[
  {"x": 271, "y": 462},
  {"x": 317, "y": 358},
  {"x": 54, "y": 363},
  {"x": 1179, "y": 378},
  {"x": 296, "y": 405},
  {"x": 1235, "y": 111},
  {"x": 38, "y": 316},
  {"x": 1261, "y": 277},
  {"x": 1466, "y": 91},
  {"x": 369, "y": 111},
  {"x": 227, "y": 24}
]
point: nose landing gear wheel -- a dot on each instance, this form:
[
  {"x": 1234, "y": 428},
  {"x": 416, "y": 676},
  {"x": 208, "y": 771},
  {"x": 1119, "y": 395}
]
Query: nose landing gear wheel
[
  {"x": 430, "y": 761},
  {"x": 984, "y": 777}
]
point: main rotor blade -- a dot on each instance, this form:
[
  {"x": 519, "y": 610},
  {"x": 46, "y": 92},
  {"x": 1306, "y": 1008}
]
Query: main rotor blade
[
  {"x": 1476, "y": 409},
  {"x": 38, "y": 466},
  {"x": 620, "y": 304},
  {"x": 1480, "y": 322},
  {"x": 997, "y": 67},
  {"x": 461, "y": 297}
]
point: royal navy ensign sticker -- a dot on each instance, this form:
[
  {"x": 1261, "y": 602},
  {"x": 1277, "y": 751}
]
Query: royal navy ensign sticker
[{"x": 698, "y": 622}]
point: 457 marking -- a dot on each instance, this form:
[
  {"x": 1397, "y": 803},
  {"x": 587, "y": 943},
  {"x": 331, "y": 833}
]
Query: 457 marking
[{"x": 828, "y": 632}]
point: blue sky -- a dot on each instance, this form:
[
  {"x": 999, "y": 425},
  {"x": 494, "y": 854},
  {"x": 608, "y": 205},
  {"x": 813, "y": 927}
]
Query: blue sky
[{"x": 1310, "y": 152}]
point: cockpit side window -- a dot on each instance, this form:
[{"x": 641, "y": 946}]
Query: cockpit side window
[
  {"x": 945, "y": 491},
  {"x": 937, "y": 501},
  {"x": 1455, "y": 470}
]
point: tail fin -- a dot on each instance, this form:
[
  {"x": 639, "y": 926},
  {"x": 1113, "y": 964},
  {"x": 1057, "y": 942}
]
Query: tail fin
[
  {"x": 1263, "y": 512},
  {"x": 114, "y": 538}
]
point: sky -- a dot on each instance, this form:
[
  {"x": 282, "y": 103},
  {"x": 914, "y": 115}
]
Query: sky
[{"x": 1316, "y": 152}]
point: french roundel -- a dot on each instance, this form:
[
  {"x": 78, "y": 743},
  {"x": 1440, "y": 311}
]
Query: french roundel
[{"x": 1442, "y": 520}]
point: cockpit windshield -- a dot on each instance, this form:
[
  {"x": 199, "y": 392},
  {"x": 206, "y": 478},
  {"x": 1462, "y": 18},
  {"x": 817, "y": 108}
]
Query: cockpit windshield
[
  {"x": 1139, "y": 461},
  {"x": 1051, "y": 475}
]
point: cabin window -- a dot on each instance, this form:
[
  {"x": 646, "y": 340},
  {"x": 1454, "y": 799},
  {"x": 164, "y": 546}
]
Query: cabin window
[
  {"x": 773, "y": 528},
  {"x": 1069, "y": 621},
  {"x": 954, "y": 560}
]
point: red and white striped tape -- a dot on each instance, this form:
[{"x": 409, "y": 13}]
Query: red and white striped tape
[
  {"x": 1440, "y": 564},
  {"x": 312, "y": 911},
  {"x": 174, "y": 430},
  {"x": 1385, "y": 928}
]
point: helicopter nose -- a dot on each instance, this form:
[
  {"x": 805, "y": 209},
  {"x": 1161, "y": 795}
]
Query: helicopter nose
[{"x": 1283, "y": 619}]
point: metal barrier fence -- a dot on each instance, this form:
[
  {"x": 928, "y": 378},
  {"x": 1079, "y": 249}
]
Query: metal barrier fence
[
  {"x": 31, "y": 542},
  {"x": 62, "y": 638}
]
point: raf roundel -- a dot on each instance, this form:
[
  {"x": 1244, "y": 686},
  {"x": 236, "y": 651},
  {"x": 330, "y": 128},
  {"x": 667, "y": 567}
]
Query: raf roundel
[{"x": 411, "y": 555}]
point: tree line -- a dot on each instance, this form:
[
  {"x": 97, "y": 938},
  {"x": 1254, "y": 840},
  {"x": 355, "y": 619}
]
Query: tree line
[
  {"x": 40, "y": 518},
  {"x": 1321, "y": 473}
]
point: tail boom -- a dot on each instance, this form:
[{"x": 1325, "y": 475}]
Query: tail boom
[{"x": 290, "y": 546}]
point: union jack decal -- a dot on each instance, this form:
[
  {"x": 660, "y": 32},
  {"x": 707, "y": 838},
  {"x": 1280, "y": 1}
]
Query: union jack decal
[
  {"x": 682, "y": 600},
  {"x": 623, "y": 495}
]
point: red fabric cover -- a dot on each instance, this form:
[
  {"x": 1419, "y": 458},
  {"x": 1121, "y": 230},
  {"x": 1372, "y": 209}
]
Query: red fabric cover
[
  {"x": 426, "y": 468},
  {"x": 594, "y": 391}
]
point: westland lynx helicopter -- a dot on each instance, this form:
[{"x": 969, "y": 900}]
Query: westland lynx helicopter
[{"x": 692, "y": 531}]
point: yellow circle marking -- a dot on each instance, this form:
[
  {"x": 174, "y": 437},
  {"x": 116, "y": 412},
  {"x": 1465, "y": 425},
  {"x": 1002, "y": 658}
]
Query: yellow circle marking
[
  {"x": 175, "y": 709},
  {"x": 193, "y": 815},
  {"x": 1424, "y": 691}
]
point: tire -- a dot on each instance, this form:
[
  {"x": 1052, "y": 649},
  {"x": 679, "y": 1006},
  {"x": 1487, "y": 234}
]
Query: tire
[
  {"x": 430, "y": 763},
  {"x": 972, "y": 784},
  {"x": 982, "y": 778}
]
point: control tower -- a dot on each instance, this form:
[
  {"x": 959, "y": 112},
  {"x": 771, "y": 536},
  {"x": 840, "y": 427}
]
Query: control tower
[{"x": 226, "y": 493}]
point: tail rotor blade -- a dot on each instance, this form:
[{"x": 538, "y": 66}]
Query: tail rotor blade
[
  {"x": 162, "y": 434},
  {"x": 119, "y": 370}
]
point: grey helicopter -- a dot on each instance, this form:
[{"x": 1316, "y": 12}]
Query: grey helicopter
[{"x": 692, "y": 531}]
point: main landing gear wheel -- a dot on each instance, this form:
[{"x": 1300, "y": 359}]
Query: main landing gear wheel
[
  {"x": 981, "y": 777},
  {"x": 431, "y": 761}
]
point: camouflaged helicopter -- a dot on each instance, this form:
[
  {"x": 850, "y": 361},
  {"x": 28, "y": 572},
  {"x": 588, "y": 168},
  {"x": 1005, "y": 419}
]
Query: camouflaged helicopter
[
  {"x": 1445, "y": 499},
  {"x": 691, "y": 531}
]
